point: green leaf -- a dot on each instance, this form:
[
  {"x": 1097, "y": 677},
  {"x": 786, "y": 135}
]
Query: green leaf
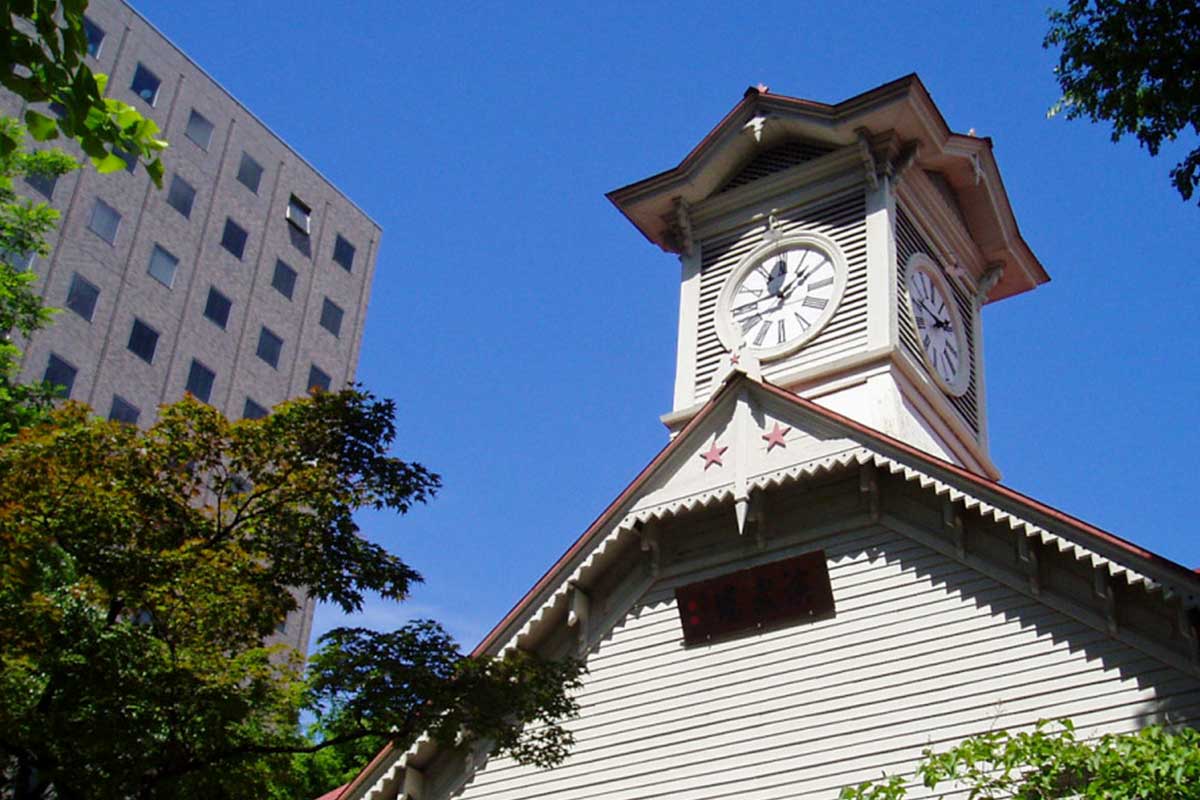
[{"x": 41, "y": 127}]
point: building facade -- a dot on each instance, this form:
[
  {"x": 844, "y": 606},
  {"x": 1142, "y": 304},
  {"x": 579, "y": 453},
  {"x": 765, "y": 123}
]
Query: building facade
[
  {"x": 821, "y": 575},
  {"x": 244, "y": 280}
]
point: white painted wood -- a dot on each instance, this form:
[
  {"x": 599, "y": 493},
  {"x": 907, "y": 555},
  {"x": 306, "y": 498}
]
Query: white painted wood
[
  {"x": 689, "y": 309},
  {"x": 922, "y": 650}
]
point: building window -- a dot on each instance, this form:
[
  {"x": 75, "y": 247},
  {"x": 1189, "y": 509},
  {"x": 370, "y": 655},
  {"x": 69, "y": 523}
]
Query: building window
[
  {"x": 284, "y": 279},
  {"x": 343, "y": 252},
  {"x": 105, "y": 221},
  {"x": 249, "y": 173},
  {"x": 130, "y": 159},
  {"x": 317, "y": 379},
  {"x": 269, "y": 346},
  {"x": 233, "y": 238},
  {"x": 95, "y": 37},
  {"x": 200, "y": 381},
  {"x": 143, "y": 341},
  {"x": 299, "y": 214},
  {"x": 163, "y": 266},
  {"x": 42, "y": 183},
  {"x": 181, "y": 196},
  {"x": 82, "y": 296},
  {"x": 216, "y": 308},
  {"x": 123, "y": 411},
  {"x": 331, "y": 317},
  {"x": 61, "y": 374},
  {"x": 253, "y": 410},
  {"x": 199, "y": 130},
  {"x": 145, "y": 84}
]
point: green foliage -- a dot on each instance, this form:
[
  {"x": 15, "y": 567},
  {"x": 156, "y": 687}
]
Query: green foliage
[
  {"x": 140, "y": 572},
  {"x": 24, "y": 226},
  {"x": 1050, "y": 762},
  {"x": 1133, "y": 63},
  {"x": 44, "y": 60}
]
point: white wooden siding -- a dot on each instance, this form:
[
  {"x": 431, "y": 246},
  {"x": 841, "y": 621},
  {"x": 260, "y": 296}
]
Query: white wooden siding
[
  {"x": 922, "y": 651},
  {"x": 842, "y": 218}
]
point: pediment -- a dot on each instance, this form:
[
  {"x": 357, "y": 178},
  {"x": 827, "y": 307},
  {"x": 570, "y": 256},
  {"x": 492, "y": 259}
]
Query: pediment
[{"x": 838, "y": 477}]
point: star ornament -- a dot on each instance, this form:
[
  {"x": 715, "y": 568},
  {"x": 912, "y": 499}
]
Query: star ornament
[
  {"x": 775, "y": 437},
  {"x": 713, "y": 455}
]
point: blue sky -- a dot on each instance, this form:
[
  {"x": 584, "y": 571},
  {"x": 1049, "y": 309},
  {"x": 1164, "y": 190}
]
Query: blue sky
[{"x": 527, "y": 331}]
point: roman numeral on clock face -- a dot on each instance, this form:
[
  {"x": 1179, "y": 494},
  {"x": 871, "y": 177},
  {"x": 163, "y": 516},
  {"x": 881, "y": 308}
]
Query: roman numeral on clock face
[
  {"x": 762, "y": 333},
  {"x": 814, "y": 302}
]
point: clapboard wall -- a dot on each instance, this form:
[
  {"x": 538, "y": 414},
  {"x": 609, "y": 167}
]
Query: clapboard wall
[{"x": 922, "y": 651}]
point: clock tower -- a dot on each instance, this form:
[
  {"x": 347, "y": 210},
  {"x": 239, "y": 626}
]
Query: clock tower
[{"x": 842, "y": 252}]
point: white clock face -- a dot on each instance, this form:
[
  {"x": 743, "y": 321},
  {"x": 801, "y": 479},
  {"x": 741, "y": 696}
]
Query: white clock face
[
  {"x": 939, "y": 326},
  {"x": 781, "y": 296}
]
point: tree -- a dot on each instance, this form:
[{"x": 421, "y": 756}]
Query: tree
[
  {"x": 43, "y": 59},
  {"x": 24, "y": 226},
  {"x": 1133, "y": 63},
  {"x": 140, "y": 572},
  {"x": 1050, "y": 762}
]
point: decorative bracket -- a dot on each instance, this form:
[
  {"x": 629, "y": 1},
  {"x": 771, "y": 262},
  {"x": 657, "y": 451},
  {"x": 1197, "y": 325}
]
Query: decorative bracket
[
  {"x": 1102, "y": 588},
  {"x": 679, "y": 228},
  {"x": 650, "y": 544},
  {"x": 903, "y": 160},
  {"x": 991, "y": 276},
  {"x": 953, "y": 523},
  {"x": 754, "y": 128},
  {"x": 1027, "y": 555},
  {"x": 868, "y": 158},
  {"x": 578, "y": 616},
  {"x": 414, "y": 784},
  {"x": 868, "y": 485}
]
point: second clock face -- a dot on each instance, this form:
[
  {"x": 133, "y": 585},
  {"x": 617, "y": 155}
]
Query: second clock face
[
  {"x": 939, "y": 326},
  {"x": 780, "y": 298}
]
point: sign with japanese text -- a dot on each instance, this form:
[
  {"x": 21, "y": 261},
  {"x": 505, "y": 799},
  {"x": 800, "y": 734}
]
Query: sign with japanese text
[{"x": 764, "y": 596}]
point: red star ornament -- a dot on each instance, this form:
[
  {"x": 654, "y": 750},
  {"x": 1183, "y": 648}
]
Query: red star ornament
[
  {"x": 713, "y": 455},
  {"x": 775, "y": 437}
]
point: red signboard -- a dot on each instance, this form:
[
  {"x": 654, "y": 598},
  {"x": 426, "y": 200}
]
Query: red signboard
[{"x": 768, "y": 595}]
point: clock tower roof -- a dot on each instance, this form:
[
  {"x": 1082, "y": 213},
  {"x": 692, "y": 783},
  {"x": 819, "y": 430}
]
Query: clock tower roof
[{"x": 894, "y": 126}]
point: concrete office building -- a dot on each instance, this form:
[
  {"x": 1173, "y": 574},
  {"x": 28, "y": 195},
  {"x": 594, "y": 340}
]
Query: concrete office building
[{"x": 244, "y": 280}]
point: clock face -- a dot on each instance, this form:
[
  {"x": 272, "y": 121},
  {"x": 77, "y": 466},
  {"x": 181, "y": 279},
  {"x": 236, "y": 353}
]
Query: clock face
[
  {"x": 781, "y": 296},
  {"x": 939, "y": 326}
]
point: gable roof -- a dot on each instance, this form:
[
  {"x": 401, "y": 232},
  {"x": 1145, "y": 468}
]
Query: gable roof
[
  {"x": 1033, "y": 519},
  {"x": 903, "y": 108}
]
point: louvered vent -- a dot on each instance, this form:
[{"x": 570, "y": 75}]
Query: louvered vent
[
  {"x": 908, "y": 241},
  {"x": 842, "y": 218},
  {"x": 776, "y": 159}
]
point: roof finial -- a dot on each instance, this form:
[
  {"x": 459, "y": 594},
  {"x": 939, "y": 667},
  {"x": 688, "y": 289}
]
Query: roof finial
[{"x": 760, "y": 88}]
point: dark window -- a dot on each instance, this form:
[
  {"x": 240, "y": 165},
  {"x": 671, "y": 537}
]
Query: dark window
[
  {"x": 253, "y": 410},
  {"x": 199, "y": 129},
  {"x": 269, "y": 346},
  {"x": 234, "y": 238},
  {"x": 95, "y": 37},
  {"x": 82, "y": 296},
  {"x": 61, "y": 374},
  {"x": 18, "y": 261},
  {"x": 317, "y": 379},
  {"x": 181, "y": 195},
  {"x": 145, "y": 84},
  {"x": 249, "y": 173},
  {"x": 331, "y": 317},
  {"x": 284, "y": 279},
  {"x": 143, "y": 341},
  {"x": 200, "y": 381},
  {"x": 299, "y": 214},
  {"x": 123, "y": 411},
  {"x": 42, "y": 183},
  {"x": 130, "y": 159},
  {"x": 343, "y": 252},
  {"x": 105, "y": 221},
  {"x": 162, "y": 266},
  {"x": 217, "y": 307}
]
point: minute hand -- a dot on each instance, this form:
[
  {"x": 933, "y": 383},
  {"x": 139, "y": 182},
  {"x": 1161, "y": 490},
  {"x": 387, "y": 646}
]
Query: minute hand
[{"x": 785, "y": 291}]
